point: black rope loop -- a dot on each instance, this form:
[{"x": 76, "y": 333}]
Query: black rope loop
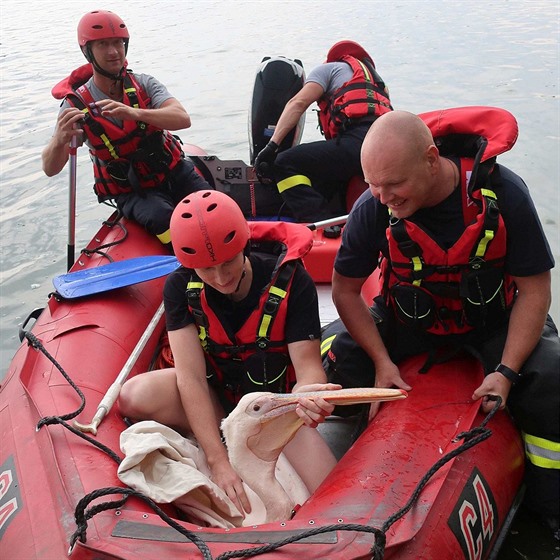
[
  {"x": 250, "y": 552},
  {"x": 38, "y": 345},
  {"x": 99, "y": 249},
  {"x": 50, "y": 420},
  {"x": 81, "y": 516}
]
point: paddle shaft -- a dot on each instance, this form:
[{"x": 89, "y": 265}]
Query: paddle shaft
[
  {"x": 329, "y": 222},
  {"x": 72, "y": 203},
  {"x": 113, "y": 392}
]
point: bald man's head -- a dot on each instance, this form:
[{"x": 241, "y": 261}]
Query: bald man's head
[
  {"x": 398, "y": 131},
  {"x": 401, "y": 164}
]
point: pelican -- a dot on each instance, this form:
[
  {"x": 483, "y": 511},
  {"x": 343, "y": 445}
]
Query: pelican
[{"x": 259, "y": 428}]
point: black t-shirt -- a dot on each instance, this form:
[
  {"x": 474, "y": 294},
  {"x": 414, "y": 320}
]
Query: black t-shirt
[
  {"x": 528, "y": 252},
  {"x": 302, "y": 320}
]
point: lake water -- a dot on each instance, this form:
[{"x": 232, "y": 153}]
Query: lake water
[
  {"x": 431, "y": 54},
  {"x": 502, "y": 53}
]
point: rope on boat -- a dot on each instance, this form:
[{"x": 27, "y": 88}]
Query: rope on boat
[
  {"x": 471, "y": 438},
  {"x": 49, "y": 420},
  {"x": 99, "y": 248},
  {"x": 82, "y": 516}
]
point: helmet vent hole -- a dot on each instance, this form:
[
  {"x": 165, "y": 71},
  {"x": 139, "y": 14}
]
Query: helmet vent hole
[
  {"x": 186, "y": 215},
  {"x": 211, "y": 207},
  {"x": 97, "y": 26},
  {"x": 188, "y": 250},
  {"x": 229, "y": 237}
]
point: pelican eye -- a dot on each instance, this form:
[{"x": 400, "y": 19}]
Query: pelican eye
[{"x": 256, "y": 407}]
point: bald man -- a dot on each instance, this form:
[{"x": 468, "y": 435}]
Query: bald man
[{"x": 413, "y": 214}]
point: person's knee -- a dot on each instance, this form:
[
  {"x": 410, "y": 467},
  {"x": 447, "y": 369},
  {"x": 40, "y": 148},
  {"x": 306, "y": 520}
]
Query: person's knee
[{"x": 132, "y": 399}]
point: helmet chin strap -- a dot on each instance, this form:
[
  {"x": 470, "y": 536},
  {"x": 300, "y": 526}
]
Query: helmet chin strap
[
  {"x": 115, "y": 77},
  {"x": 243, "y": 274}
]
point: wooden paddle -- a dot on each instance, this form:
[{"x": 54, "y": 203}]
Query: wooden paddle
[{"x": 132, "y": 271}]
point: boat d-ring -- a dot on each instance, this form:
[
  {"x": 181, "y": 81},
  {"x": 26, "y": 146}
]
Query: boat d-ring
[{"x": 33, "y": 315}]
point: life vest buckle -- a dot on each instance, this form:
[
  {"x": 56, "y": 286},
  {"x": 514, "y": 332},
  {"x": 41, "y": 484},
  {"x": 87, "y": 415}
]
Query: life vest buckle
[
  {"x": 271, "y": 305},
  {"x": 262, "y": 342}
]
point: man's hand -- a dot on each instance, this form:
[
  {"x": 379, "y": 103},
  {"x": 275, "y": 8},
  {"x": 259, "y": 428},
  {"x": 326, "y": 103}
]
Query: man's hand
[
  {"x": 493, "y": 384},
  {"x": 265, "y": 160},
  {"x": 314, "y": 411},
  {"x": 387, "y": 375}
]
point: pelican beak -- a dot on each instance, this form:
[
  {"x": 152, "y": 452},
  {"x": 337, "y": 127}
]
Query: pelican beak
[{"x": 274, "y": 405}]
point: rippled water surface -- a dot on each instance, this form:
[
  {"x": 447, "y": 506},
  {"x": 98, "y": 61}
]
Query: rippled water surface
[{"x": 432, "y": 55}]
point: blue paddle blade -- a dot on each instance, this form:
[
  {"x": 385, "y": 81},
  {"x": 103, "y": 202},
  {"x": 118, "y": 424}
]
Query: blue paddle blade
[{"x": 113, "y": 275}]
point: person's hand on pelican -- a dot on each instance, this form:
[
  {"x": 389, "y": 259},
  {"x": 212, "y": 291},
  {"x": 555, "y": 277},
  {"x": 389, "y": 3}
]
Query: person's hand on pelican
[
  {"x": 313, "y": 411},
  {"x": 225, "y": 476}
]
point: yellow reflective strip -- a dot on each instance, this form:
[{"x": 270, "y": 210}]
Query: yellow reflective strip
[
  {"x": 278, "y": 292},
  {"x": 265, "y": 323},
  {"x": 417, "y": 267},
  {"x": 483, "y": 243},
  {"x": 488, "y": 193},
  {"x": 195, "y": 284},
  {"x": 202, "y": 336},
  {"x": 165, "y": 237},
  {"x": 326, "y": 344},
  {"x": 109, "y": 146},
  {"x": 366, "y": 70},
  {"x": 271, "y": 381},
  {"x": 542, "y": 452},
  {"x": 293, "y": 181}
]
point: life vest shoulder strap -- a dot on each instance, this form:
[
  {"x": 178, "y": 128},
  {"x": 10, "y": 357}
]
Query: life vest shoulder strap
[{"x": 276, "y": 293}]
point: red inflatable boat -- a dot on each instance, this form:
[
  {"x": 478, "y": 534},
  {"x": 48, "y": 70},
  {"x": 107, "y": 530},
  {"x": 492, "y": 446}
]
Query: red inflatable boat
[{"x": 431, "y": 477}]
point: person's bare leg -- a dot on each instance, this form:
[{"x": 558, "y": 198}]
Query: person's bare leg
[
  {"x": 310, "y": 456},
  {"x": 154, "y": 396}
]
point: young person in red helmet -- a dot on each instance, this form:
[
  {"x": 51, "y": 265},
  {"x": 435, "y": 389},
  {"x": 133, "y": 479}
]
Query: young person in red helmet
[
  {"x": 125, "y": 119},
  {"x": 242, "y": 316},
  {"x": 351, "y": 95}
]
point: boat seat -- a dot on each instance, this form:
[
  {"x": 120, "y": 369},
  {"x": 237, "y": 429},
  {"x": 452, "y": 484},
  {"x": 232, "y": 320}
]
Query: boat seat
[{"x": 341, "y": 432}]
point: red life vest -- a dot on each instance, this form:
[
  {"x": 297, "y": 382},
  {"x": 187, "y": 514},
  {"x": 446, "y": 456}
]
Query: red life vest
[
  {"x": 464, "y": 287},
  {"x": 364, "y": 96},
  {"x": 132, "y": 157},
  {"x": 256, "y": 357}
]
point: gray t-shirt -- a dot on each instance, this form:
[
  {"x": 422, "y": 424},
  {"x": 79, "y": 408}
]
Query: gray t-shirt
[{"x": 330, "y": 76}]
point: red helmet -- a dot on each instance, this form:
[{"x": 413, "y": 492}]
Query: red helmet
[
  {"x": 346, "y": 47},
  {"x": 101, "y": 24},
  {"x": 207, "y": 229}
]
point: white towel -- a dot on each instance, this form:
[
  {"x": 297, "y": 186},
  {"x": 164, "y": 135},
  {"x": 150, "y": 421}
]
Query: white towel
[{"x": 168, "y": 468}]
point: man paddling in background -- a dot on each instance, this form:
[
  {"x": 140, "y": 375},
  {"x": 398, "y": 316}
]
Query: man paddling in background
[{"x": 125, "y": 118}]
